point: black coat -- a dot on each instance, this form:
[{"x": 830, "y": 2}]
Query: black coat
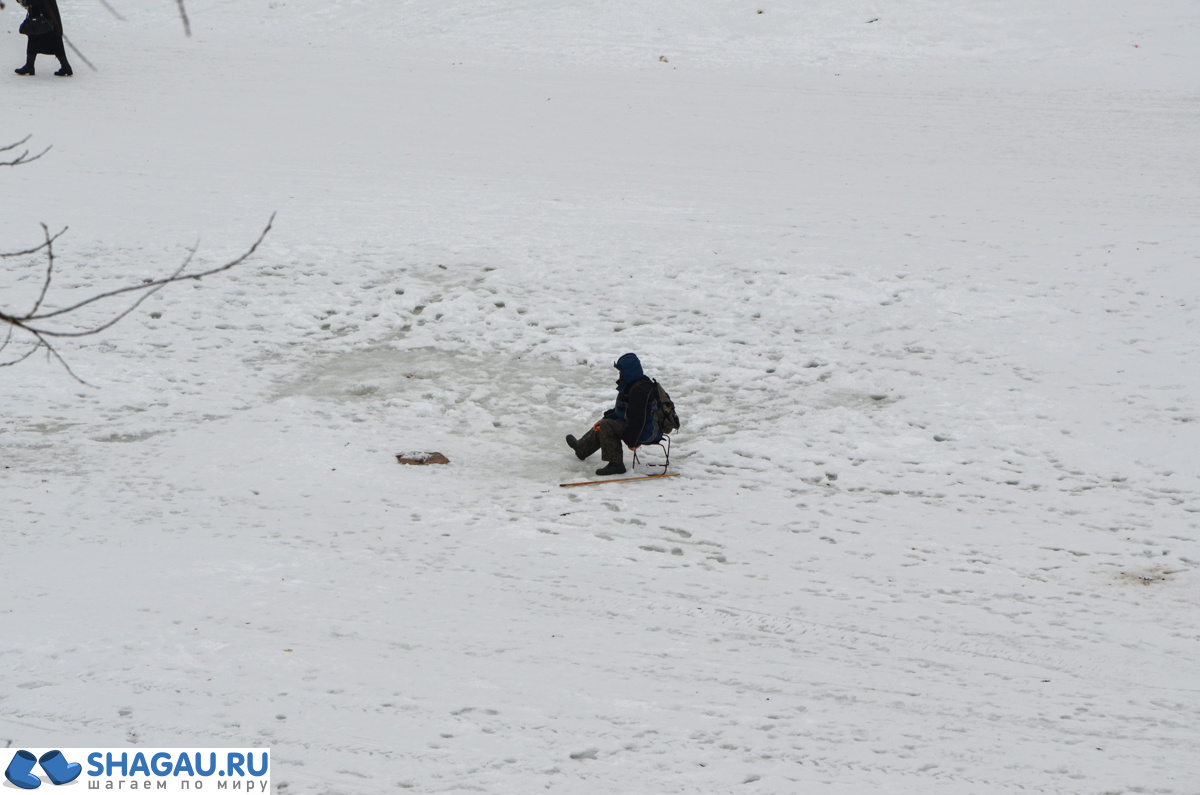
[
  {"x": 633, "y": 409},
  {"x": 48, "y": 9},
  {"x": 46, "y": 43}
]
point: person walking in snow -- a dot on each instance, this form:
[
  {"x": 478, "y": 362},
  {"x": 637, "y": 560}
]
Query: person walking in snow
[
  {"x": 43, "y": 26},
  {"x": 630, "y": 421}
]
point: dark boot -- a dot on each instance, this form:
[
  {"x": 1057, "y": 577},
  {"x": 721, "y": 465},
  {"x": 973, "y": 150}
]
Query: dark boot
[
  {"x": 64, "y": 66},
  {"x": 612, "y": 468},
  {"x": 31, "y": 54},
  {"x": 573, "y": 443}
]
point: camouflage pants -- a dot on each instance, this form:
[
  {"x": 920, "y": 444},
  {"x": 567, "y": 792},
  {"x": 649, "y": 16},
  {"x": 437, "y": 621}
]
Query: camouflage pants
[{"x": 605, "y": 436}]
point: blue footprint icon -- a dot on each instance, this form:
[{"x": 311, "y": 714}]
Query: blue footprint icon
[
  {"x": 58, "y": 769},
  {"x": 18, "y": 771}
]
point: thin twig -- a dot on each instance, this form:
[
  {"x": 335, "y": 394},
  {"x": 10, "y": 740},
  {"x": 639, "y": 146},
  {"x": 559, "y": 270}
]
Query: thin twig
[
  {"x": 8, "y": 336},
  {"x": 29, "y": 322},
  {"x": 28, "y": 353},
  {"x": 150, "y": 287},
  {"x": 187, "y": 26},
  {"x": 36, "y": 249},
  {"x": 49, "y": 269},
  {"x": 112, "y": 10},
  {"x": 178, "y": 277},
  {"x": 24, "y": 157},
  {"x": 82, "y": 57},
  {"x": 50, "y": 351}
]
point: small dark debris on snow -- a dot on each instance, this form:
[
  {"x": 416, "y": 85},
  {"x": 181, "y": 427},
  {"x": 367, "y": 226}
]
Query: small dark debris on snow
[
  {"x": 422, "y": 459},
  {"x": 869, "y": 21}
]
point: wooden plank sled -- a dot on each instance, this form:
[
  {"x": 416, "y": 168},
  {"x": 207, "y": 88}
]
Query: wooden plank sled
[{"x": 619, "y": 480}]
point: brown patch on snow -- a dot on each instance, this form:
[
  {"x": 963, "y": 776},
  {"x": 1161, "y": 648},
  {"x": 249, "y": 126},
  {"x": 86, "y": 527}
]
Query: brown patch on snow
[
  {"x": 1149, "y": 575},
  {"x": 421, "y": 459}
]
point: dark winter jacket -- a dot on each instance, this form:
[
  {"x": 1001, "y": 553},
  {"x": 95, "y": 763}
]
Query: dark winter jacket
[
  {"x": 49, "y": 8},
  {"x": 635, "y": 393},
  {"x": 46, "y": 43}
]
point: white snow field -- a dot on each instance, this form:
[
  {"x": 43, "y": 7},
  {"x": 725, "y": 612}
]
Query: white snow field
[{"x": 923, "y": 278}]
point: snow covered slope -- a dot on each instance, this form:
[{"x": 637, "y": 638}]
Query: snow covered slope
[{"x": 922, "y": 278}]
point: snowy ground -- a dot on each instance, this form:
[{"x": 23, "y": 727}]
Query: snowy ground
[{"x": 924, "y": 289}]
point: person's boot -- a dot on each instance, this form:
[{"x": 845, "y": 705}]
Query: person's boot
[
  {"x": 612, "y": 468},
  {"x": 27, "y": 69},
  {"x": 18, "y": 771},
  {"x": 64, "y": 72},
  {"x": 58, "y": 769},
  {"x": 573, "y": 443}
]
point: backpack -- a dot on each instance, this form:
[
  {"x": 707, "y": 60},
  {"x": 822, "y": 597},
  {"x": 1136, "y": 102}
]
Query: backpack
[{"x": 663, "y": 410}]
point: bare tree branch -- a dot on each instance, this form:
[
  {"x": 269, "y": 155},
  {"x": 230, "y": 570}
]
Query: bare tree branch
[
  {"x": 49, "y": 268},
  {"x": 35, "y": 249},
  {"x": 112, "y": 10},
  {"x": 22, "y": 158},
  {"x": 176, "y": 277},
  {"x": 7, "y": 339},
  {"x": 32, "y": 350},
  {"x": 51, "y": 350},
  {"x": 10, "y": 147},
  {"x": 149, "y": 288},
  {"x": 187, "y": 26},
  {"x": 82, "y": 57},
  {"x": 31, "y": 322}
]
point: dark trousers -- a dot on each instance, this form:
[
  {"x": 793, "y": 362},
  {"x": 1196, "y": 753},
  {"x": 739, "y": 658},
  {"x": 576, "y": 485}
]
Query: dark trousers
[
  {"x": 605, "y": 437},
  {"x": 48, "y": 44}
]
